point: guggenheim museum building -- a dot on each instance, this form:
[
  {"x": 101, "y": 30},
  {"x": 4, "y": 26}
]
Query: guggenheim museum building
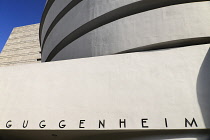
[{"x": 111, "y": 70}]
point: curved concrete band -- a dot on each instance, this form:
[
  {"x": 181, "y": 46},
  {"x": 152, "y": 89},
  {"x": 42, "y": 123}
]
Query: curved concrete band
[
  {"x": 46, "y": 10},
  {"x": 135, "y": 31},
  {"x": 179, "y": 20},
  {"x": 139, "y": 6},
  {"x": 55, "y": 9},
  {"x": 171, "y": 84},
  {"x": 82, "y": 13}
]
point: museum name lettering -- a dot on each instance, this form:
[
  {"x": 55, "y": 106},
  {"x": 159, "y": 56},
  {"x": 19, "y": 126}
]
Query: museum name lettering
[{"x": 122, "y": 123}]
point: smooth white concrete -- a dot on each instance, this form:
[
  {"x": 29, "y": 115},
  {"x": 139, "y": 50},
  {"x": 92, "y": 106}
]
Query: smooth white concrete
[
  {"x": 154, "y": 85},
  {"x": 82, "y": 13},
  {"x": 160, "y": 25}
]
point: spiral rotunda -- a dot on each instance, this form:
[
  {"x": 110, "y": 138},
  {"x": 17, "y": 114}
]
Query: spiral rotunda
[{"x": 85, "y": 28}]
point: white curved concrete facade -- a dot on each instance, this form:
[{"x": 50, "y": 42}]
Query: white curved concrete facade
[
  {"x": 56, "y": 8},
  {"x": 153, "y": 92},
  {"x": 97, "y": 27},
  {"x": 151, "y": 81}
]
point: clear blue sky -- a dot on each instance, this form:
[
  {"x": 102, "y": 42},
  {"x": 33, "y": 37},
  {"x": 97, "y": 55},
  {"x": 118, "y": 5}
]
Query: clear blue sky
[{"x": 15, "y": 13}]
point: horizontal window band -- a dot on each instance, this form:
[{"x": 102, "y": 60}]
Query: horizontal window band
[
  {"x": 44, "y": 15},
  {"x": 111, "y": 16},
  {"x": 71, "y": 5},
  {"x": 171, "y": 44}
]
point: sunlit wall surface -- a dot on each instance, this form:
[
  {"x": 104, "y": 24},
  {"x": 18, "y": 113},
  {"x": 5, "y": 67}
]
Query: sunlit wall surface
[{"x": 85, "y": 28}]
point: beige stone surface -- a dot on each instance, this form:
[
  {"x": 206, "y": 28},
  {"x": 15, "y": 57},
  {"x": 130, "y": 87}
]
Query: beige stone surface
[{"x": 22, "y": 46}]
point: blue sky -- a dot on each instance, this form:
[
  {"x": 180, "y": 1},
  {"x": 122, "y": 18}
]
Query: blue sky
[{"x": 15, "y": 13}]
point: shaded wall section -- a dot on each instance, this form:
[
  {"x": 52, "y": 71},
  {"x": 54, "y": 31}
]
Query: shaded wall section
[{"x": 203, "y": 88}]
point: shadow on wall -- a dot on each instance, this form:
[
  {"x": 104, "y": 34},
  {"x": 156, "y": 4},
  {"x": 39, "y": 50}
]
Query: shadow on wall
[
  {"x": 203, "y": 89},
  {"x": 151, "y": 135},
  {"x": 104, "y": 135}
]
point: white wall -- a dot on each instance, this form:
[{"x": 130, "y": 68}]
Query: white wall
[{"x": 154, "y": 85}]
